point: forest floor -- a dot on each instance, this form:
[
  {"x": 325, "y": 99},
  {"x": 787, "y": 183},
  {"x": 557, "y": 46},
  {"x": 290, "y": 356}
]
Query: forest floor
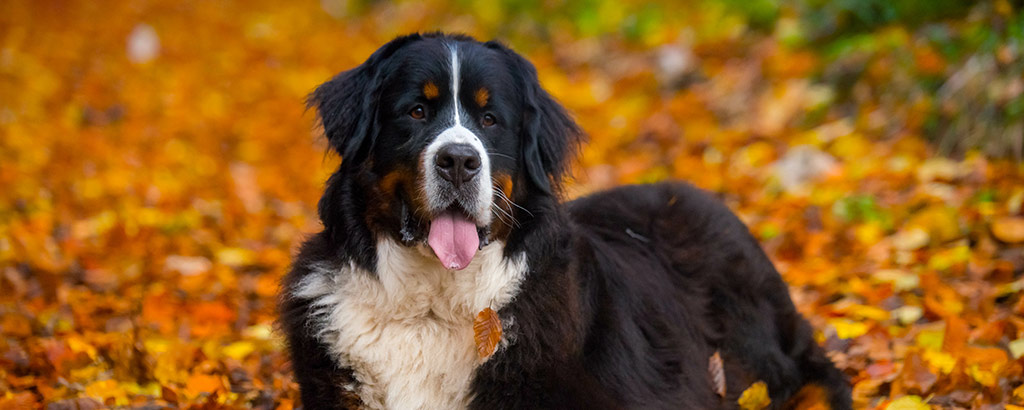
[{"x": 158, "y": 169}]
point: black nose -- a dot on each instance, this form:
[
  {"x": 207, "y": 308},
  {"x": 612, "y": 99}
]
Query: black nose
[{"x": 457, "y": 163}]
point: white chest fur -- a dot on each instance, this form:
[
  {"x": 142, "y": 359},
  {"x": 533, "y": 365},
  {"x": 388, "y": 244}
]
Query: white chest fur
[{"x": 408, "y": 332}]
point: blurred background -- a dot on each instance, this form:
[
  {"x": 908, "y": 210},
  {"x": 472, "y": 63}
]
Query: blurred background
[{"x": 157, "y": 169}]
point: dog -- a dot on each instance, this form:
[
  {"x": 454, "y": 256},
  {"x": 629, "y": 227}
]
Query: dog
[{"x": 446, "y": 203}]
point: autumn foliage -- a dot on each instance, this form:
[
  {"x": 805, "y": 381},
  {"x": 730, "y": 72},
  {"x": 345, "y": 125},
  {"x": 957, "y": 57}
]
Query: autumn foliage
[{"x": 157, "y": 169}]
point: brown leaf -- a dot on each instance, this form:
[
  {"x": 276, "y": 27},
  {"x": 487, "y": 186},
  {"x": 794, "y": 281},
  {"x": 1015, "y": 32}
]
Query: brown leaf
[
  {"x": 168, "y": 395},
  {"x": 486, "y": 332},
  {"x": 915, "y": 377},
  {"x": 717, "y": 372},
  {"x": 23, "y": 400}
]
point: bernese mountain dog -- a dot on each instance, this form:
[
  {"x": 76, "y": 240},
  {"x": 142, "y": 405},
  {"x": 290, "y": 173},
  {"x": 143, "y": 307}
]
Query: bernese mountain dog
[{"x": 446, "y": 203}]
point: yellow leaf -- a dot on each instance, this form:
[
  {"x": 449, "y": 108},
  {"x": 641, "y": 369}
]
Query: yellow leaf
[
  {"x": 1018, "y": 393},
  {"x": 848, "y": 329},
  {"x": 982, "y": 376},
  {"x": 931, "y": 338},
  {"x": 107, "y": 389},
  {"x": 235, "y": 256},
  {"x": 261, "y": 331},
  {"x": 239, "y": 350},
  {"x": 908, "y": 403},
  {"x": 755, "y": 397},
  {"x": 940, "y": 221},
  {"x": 77, "y": 345},
  {"x": 940, "y": 360},
  {"x": 868, "y": 233},
  {"x": 866, "y": 312}
]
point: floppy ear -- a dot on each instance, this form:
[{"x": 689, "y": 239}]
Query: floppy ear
[
  {"x": 347, "y": 104},
  {"x": 548, "y": 134}
]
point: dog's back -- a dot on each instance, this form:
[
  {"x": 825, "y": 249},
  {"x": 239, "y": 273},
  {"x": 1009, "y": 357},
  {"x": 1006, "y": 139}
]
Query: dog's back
[{"x": 676, "y": 277}]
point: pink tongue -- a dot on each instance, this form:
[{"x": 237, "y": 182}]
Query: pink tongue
[{"x": 453, "y": 239}]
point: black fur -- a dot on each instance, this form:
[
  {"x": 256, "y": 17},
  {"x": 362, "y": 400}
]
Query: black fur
[
  {"x": 629, "y": 292},
  {"x": 548, "y": 133}
]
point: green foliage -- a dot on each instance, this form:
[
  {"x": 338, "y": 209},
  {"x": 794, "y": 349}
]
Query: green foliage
[
  {"x": 826, "y": 20},
  {"x": 861, "y": 208}
]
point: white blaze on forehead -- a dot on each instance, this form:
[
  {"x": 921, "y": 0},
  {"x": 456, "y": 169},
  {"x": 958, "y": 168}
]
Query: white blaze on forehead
[
  {"x": 456, "y": 122},
  {"x": 458, "y": 134}
]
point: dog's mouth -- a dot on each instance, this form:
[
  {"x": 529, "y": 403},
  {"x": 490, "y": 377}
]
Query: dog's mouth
[{"x": 455, "y": 238}]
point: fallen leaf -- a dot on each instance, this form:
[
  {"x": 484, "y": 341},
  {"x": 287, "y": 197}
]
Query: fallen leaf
[
  {"x": 1016, "y": 348},
  {"x": 955, "y": 338},
  {"x": 25, "y": 400},
  {"x": 908, "y": 403},
  {"x": 984, "y": 377},
  {"x": 150, "y": 204},
  {"x": 848, "y": 329},
  {"x": 717, "y": 373},
  {"x": 810, "y": 397},
  {"x": 107, "y": 390},
  {"x": 755, "y": 397},
  {"x": 1009, "y": 229},
  {"x": 486, "y": 332},
  {"x": 168, "y": 395},
  {"x": 915, "y": 377},
  {"x": 199, "y": 383},
  {"x": 1018, "y": 393},
  {"x": 911, "y": 239},
  {"x": 239, "y": 350}
]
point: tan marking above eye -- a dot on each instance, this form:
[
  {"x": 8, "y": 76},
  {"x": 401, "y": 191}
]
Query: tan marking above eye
[
  {"x": 482, "y": 95},
  {"x": 430, "y": 90}
]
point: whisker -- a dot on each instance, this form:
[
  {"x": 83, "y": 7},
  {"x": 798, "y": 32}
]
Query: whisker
[
  {"x": 501, "y": 194},
  {"x": 502, "y": 210},
  {"x": 501, "y": 155},
  {"x": 502, "y": 218},
  {"x": 509, "y": 215}
]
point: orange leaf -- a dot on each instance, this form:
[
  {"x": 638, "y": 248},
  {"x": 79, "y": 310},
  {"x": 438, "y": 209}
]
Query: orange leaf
[
  {"x": 717, "y": 372},
  {"x": 955, "y": 338},
  {"x": 486, "y": 332},
  {"x": 24, "y": 400},
  {"x": 810, "y": 397},
  {"x": 1009, "y": 229},
  {"x": 199, "y": 383}
]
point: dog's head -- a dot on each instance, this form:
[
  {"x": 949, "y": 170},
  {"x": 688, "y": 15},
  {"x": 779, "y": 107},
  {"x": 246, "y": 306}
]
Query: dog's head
[{"x": 443, "y": 135}]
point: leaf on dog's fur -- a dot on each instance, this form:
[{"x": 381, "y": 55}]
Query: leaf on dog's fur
[
  {"x": 755, "y": 397},
  {"x": 486, "y": 332},
  {"x": 717, "y": 372}
]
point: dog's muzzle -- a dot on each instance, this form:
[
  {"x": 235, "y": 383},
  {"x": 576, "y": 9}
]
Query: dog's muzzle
[{"x": 458, "y": 188}]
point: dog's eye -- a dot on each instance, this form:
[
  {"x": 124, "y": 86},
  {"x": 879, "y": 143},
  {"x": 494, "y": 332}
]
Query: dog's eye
[
  {"x": 418, "y": 112},
  {"x": 488, "y": 120}
]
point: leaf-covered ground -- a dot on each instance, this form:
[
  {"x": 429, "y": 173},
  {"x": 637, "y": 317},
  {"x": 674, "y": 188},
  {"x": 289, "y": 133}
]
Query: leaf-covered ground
[{"x": 157, "y": 168}]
